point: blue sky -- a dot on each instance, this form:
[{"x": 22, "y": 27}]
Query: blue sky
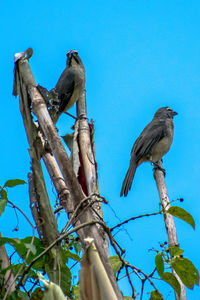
[{"x": 139, "y": 56}]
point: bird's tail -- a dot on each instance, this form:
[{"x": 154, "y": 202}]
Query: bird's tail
[{"x": 126, "y": 186}]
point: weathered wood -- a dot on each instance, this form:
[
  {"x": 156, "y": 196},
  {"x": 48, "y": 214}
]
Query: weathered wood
[
  {"x": 94, "y": 281},
  {"x": 85, "y": 144},
  {"x": 169, "y": 220},
  {"x": 8, "y": 277},
  {"x": 88, "y": 158},
  {"x": 39, "y": 200},
  {"x": 76, "y": 193},
  {"x": 45, "y": 212}
]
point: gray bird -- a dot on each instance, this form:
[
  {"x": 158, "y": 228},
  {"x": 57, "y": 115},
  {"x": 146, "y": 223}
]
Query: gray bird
[
  {"x": 69, "y": 87},
  {"x": 154, "y": 142},
  {"x": 71, "y": 82}
]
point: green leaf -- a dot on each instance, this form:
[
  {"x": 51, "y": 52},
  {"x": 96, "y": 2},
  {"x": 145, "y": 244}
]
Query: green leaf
[
  {"x": 186, "y": 271},
  {"x": 21, "y": 246},
  {"x": 14, "y": 182},
  {"x": 77, "y": 247},
  {"x": 38, "y": 294},
  {"x": 182, "y": 214},
  {"x": 31, "y": 247},
  {"x": 3, "y": 203},
  {"x": 75, "y": 291},
  {"x": 72, "y": 255},
  {"x": 15, "y": 268},
  {"x": 115, "y": 263},
  {"x": 159, "y": 264},
  {"x": 171, "y": 279},
  {"x": 13, "y": 242},
  {"x": 17, "y": 295},
  {"x": 156, "y": 295},
  {"x": 4, "y": 194},
  {"x": 175, "y": 251}
]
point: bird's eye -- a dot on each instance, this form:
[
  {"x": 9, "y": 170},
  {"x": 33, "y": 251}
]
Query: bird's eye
[
  {"x": 168, "y": 108},
  {"x": 72, "y": 52}
]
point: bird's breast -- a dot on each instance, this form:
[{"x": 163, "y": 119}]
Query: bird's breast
[
  {"x": 78, "y": 88},
  {"x": 163, "y": 146}
]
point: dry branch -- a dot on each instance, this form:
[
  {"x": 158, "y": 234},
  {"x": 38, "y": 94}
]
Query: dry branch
[
  {"x": 76, "y": 194},
  {"x": 169, "y": 221}
]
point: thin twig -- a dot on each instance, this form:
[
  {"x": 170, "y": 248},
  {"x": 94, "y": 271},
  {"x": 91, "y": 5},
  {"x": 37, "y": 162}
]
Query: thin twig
[
  {"x": 70, "y": 115},
  {"x": 59, "y": 239},
  {"x": 102, "y": 199},
  {"x": 137, "y": 217},
  {"x": 113, "y": 242},
  {"x": 130, "y": 282},
  {"x": 142, "y": 289},
  {"x": 125, "y": 263},
  {"x": 27, "y": 254},
  {"x": 15, "y": 206}
]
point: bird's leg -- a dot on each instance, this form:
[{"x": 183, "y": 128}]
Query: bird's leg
[
  {"x": 157, "y": 166},
  {"x": 70, "y": 115}
]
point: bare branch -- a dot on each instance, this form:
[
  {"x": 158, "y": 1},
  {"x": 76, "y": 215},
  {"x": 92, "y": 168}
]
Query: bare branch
[
  {"x": 27, "y": 254},
  {"x": 137, "y": 217},
  {"x": 92, "y": 201},
  {"x": 168, "y": 219}
]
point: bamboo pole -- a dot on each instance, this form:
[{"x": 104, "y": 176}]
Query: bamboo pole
[
  {"x": 169, "y": 220},
  {"x": 94, "y": 281},
  {"x": 87, "y": 155},
  {"x": 76, "y": 194},
  {"x": 39, "y": 201},
  {"x": 48, "y": 227}
]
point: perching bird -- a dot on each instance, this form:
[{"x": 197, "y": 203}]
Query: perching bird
[
  {"x": 154, "y": 142},
  {"x": 69, "y": 87},
  {"x": 71, "y": 82}
]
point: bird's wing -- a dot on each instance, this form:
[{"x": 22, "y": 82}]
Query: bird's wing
[
  {"x": 150, "y": 136},
  {"x": 65, "y": 87}
]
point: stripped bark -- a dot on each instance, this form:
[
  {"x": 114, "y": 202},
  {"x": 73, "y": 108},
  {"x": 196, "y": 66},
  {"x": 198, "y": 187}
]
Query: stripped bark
[
  {"x": 88, "y": 158},
  {"x": 94, "y": 281},
  {"x": 169, "y": 221},
  {"x": 39, "y": 201},
  {"x": 76, "y": 194},
  {"x": 8, "y": 277}
]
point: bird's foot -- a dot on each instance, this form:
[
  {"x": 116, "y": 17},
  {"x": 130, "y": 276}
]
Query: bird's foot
[
  {"x": 50, "y": 97},
  {"x": 44, "y": 92},
  {"x": 158, "y": 167},
  {"x": 54, "y": 95},
  {"x": 55, "y": 106}
]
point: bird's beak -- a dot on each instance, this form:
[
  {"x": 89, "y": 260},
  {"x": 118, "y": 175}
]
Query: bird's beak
[
  {"x": 174, "y": 113},
  {"x": 76, "y": 58}
]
